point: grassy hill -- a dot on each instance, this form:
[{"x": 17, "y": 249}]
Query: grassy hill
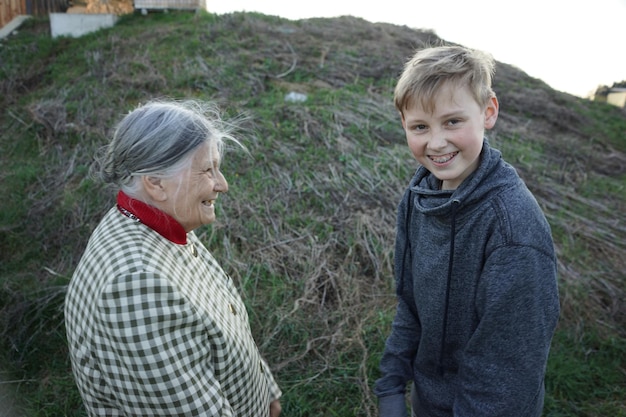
[{"x": 307, "y": 228}]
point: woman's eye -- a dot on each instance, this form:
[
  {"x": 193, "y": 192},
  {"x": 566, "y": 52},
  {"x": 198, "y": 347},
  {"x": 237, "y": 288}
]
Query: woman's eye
[{"x": 212, "y": 170}]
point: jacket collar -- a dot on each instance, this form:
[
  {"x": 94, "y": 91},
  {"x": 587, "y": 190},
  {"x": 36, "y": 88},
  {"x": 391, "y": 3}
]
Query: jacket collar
[{"x": 155, "y": 219}]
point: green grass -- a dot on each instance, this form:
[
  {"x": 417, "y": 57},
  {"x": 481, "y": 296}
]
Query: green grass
[
  {"x": 585, "y": 374},
  {"x": 307, "y": 228}
]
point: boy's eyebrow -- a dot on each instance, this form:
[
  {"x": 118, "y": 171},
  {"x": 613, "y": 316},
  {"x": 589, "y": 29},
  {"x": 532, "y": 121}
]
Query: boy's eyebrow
[
  {"x": 452, "y": 113},
  {"x": 455, "y": 113}
]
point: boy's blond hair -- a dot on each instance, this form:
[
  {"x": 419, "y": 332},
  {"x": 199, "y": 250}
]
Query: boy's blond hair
[{"x": 431, "y": 68}]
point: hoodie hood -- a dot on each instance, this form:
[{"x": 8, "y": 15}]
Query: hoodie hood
[{"x": 430, "y": 200}]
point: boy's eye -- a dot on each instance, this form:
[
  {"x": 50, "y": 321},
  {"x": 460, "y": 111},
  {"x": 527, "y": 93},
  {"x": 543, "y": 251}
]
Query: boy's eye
[
  {"x": 420, "y": 127},
  {"x": 453, "y": 122}
]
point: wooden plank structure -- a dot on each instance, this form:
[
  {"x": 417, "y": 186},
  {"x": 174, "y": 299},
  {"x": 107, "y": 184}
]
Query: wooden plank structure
[{"x": 10, "y": 9}]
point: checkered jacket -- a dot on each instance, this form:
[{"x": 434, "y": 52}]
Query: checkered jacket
[{"x": 158, "y": 329}]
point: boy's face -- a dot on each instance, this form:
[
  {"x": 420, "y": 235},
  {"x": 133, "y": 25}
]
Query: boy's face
[{"x": 448, "y": 140}]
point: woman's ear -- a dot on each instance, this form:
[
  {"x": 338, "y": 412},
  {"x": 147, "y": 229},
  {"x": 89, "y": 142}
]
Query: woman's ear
[
  {"x": 491, "y": 112},
  {"x": 153, "y": 186}
]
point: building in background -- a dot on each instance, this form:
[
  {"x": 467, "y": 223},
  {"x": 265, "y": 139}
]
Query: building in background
[
  {"x": 617, "y": 97},
  {"x": 12, "y": 9}
]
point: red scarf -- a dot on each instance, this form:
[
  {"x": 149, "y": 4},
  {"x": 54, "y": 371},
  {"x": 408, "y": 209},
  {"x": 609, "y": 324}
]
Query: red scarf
[{"x": 155, "y": 219}]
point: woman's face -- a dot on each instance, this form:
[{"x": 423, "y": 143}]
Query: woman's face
[{"x": 191, "y": 196}]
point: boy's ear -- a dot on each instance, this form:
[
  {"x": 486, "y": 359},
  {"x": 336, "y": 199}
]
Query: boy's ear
[
  {"x": 402, "y": 119},
  {"x": 491, "y": 112},
  {"x": 154, "y": 188}
]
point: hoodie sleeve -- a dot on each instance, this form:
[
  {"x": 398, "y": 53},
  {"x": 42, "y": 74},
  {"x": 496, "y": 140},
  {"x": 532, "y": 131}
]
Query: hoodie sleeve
[
  {"x": 504, "y": 363},
  {"x": 395, "y": 364},
  {"x": 401, "y": 345}
]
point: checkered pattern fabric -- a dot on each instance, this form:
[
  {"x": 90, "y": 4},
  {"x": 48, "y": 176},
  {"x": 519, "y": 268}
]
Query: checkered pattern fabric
[{"x": 158, "y": 329}]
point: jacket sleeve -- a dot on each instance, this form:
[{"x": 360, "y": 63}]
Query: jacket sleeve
[
  {"x": 502, "y": 369},
  {"x": 153, "y": 350},
  {"x": 401, "y": 345},
  {"x": 275, "y": 391}
]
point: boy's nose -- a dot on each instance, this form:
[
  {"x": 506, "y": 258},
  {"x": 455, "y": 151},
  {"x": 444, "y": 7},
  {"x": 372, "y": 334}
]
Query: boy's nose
[{"x": 438, "y": 141}]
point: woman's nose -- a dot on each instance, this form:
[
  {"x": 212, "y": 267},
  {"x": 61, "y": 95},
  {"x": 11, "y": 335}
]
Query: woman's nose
[{"x": 221, "y": 185}]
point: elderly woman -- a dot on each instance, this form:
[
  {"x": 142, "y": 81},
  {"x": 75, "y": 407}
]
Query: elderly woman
[{"x": 155, "y": 327}]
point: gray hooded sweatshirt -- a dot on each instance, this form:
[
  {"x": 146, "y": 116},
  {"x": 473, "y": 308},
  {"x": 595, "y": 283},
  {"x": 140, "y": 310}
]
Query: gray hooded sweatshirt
[{"x": 477, "y": 297}]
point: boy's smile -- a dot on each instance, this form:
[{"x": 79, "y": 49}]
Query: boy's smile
[
  {"x": 443, "y": 159},
  {"x": 448, "y": 140}
]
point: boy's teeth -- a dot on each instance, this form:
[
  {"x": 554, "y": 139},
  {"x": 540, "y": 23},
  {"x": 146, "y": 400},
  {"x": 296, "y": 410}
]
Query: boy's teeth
[{"x": 443, "y": 158}]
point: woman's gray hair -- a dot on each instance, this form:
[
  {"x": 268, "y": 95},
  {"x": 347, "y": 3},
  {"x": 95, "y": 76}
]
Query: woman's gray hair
[{"x": 157, "y": 139}]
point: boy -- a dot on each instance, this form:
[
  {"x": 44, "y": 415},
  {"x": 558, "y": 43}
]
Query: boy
[{"x": 474, "y": 259}]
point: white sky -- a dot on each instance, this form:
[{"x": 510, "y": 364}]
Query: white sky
[{"x": 573, "y": 45}]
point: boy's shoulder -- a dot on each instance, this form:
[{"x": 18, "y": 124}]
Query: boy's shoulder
[
  {"x": 507, "y": 194},
  {"x": 520, "y": 214}
]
